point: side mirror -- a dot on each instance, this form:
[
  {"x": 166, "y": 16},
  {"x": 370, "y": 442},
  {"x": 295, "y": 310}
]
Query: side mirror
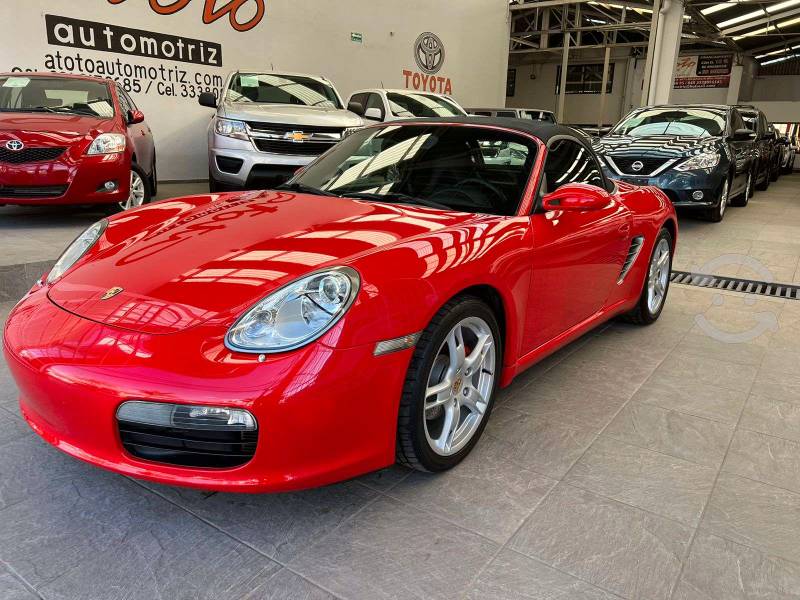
[
  {"x": 373, "y": 114},
  {"x": 135, "y": 116},
  {"x": 743, "y": 135},
  {"x": 207, "y": 99},
  {"x": 356, "y": 107},
  {"x": 576, "y": 196}
]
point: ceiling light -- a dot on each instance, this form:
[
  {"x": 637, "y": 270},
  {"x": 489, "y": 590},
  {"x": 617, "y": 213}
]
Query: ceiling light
[
  {"x": 777, "y": 60},
  {"x": 786, "y": 23},
  {"x": 781, "y": 5},
  {"x": 746, "y": 17},
  {"x": 716, "y": 8}
]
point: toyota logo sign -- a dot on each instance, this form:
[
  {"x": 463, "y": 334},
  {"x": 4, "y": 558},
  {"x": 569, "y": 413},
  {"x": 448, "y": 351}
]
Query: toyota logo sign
[
  {"x": 14, "y": 145},
  {"x": 637, "y": 166},
  {"x": 429, "y": 52}
]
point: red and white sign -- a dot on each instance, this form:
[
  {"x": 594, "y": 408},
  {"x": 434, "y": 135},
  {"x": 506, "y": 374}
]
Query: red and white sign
[{"x": 693, "y": 72}]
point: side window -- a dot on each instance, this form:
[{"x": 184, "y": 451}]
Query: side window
[
  {"x": 736, "y": 121},
  {"x": 506, "y": 113},
  {"x": 130, "y": 101},
  {"x": 375, "y": 101},
  {"x": 360, "y": 98},
  {"x": 124, "y": 103},
  {"x": 570, "y": 162}
]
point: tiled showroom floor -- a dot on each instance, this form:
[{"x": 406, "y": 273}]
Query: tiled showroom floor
[{"x": 658, "y": 462}]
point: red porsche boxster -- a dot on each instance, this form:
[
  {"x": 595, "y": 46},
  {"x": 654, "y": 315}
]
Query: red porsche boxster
[{"x": 365, "y": 313}]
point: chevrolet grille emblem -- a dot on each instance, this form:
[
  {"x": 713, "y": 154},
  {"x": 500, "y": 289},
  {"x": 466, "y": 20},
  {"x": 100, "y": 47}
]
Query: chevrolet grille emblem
[{"x": 298, "y": 136}]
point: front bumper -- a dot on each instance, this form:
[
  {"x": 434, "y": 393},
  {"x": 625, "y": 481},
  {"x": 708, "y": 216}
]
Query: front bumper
[
  {"x": 68, "y": 180},
  {"x": 679, "y": 186},
  {"x": 324, "y": 414},
  {"x": 237, "y": 163}
]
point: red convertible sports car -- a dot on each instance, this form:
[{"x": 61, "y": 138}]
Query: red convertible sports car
[{"x": 365, "y": 313}]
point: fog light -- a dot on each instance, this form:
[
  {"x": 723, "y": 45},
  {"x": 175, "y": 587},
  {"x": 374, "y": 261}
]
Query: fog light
[
  {"x": 183, "y": 416},
  {"x": 108, "y": 186},
  {"x": 697, "y": 195}
]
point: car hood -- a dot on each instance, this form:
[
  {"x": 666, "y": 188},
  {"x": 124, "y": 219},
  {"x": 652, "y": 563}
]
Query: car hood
[
  {"x": 656, "y": 146},
  {"x": 183, "y": 262},
  {"x": 44, "y": 129},
  {"x": 291, "y": 114}
]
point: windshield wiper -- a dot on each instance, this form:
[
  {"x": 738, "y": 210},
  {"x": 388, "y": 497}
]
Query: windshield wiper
[
  {"x": 29, "y": 109},
  {"x": 399, "y": 198},
  {"x": 306, "y": 189}
]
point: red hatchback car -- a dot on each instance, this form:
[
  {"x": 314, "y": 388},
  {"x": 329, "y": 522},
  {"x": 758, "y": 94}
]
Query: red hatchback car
[
  {"x": 365, "y": 312},
  {"x": 70, "y": 139}
]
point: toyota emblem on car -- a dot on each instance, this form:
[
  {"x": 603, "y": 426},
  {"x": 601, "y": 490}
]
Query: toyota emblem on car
[
  {"x": 14, "y": 145},
  {"x": 429, "y": 52}
]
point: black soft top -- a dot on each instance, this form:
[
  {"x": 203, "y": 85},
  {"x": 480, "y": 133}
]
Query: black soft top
[{"x": 540, "y": 129}]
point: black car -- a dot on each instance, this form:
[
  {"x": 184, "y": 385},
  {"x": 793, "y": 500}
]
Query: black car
[
  {"x": 700, "y": 155},
  {"x": 756, "y": 121},
  {"x": 777, "y": 154}
]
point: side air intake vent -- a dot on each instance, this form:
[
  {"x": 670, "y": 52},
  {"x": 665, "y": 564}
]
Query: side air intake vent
[{"x": 633, "y": 252}]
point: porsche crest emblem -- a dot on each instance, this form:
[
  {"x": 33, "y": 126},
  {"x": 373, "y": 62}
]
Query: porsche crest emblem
[{"x": 111, "y": 293}]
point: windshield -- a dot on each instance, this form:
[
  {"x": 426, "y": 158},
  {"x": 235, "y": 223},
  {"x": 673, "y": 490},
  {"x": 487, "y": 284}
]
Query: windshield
[
  {"x": 422, "y": 105},
  {"x": 695, "y": 122},
  {"x": 470, "y": 169},
  {"x": 269, "y": 88},
  {"x": 62, "y": 95}
]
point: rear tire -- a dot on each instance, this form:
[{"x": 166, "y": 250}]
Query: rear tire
[
  {"x": 647, "y": 311},
  {"x": 467, "y": 391}
]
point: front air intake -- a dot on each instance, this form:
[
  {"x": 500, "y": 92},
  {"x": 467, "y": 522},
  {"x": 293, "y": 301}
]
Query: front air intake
[
  {"x": 189, "y": 436},
  {"x": 633, "y": 252}
]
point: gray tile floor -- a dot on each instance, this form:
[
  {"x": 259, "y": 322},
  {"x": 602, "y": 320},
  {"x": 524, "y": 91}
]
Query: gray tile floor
[{"x": 658, "y": 462}]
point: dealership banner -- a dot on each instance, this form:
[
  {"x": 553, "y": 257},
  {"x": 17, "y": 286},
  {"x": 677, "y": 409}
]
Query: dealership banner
[
  {"x": 165, "y": 53},
  {"x": 694, "y": 72}
]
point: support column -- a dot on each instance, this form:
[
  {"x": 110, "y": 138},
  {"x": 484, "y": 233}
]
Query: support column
[
  {"x": 601, "y": 119},
  {"x": 735, "y": 85},
  {"x": 563, "y": 85},
  {"x": 665, "y": 42}
]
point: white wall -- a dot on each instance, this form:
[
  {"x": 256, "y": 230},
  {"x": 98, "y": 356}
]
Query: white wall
[
  {"x": 578, "y": 108},
  {"x": 298, "y": 35}
]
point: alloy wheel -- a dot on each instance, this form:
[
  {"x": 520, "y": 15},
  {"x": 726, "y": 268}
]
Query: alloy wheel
[
  {"x": 658, "y": 276},
  {"x": 723, "y": 201},
  {"x": 459, "y": 386},
  {"x": 137, "y": 192}
]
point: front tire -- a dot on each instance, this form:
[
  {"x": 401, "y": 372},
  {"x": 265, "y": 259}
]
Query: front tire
[
  {"x": 139, "y": 192},
  {"x": 656, "y": 283},
  {"x": 716, "y": 214},
  {"x": 744, "y": 198},
  {"x": 450, "y": 386},
  {"x": 764, "y": 185}
]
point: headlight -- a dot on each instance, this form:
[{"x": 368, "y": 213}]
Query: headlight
[
  {"x": 709, "y": 160},
  {"x": 296, "y": 314},
  {"x": 76, "y": 249},
  {"x": 231, "y": 128},
  {"x": 107, "y": 143}
]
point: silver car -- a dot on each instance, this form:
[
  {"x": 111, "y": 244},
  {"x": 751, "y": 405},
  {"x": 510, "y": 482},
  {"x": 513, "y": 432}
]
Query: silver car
[
  {"x": 269, "y": 124},
  {"x": 381, "y": 105}
]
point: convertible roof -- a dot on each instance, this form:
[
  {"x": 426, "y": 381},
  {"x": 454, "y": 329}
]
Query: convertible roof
[{"x": 540, "y": 129}]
